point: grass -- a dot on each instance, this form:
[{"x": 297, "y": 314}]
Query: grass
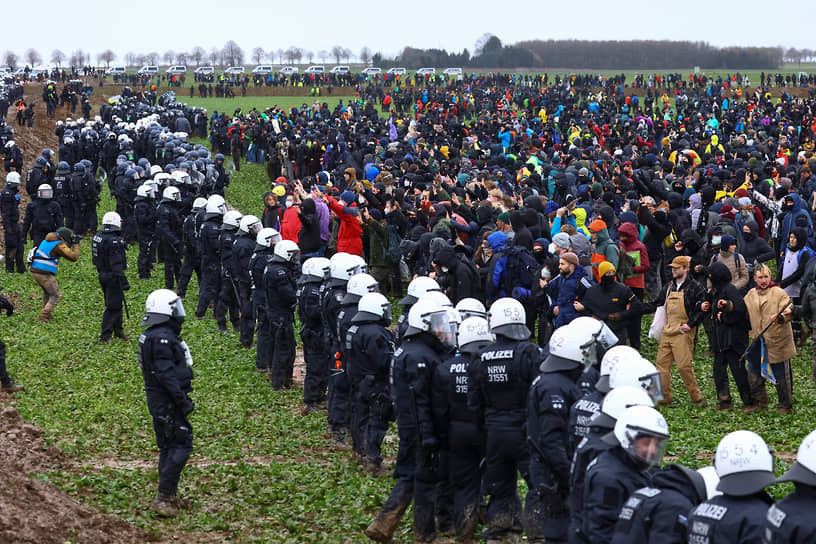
[
  {"x": 260, "y": 103},
  {"x": 261, "y": 472}
]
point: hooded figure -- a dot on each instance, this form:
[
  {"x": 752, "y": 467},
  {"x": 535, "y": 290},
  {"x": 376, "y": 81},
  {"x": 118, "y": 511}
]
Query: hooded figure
[
  {"x": 754, "y": 247},
  {"x": 795, "y": 208},
  {"x": 523, "y": 237},
  {"x": 455, "y": 278},
  {"x": 309, "y": 239},
  {"x": 735, "y": 262},
  {"x": 792, "y": 265}
]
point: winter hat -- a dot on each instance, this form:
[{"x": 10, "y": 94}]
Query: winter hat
[
  {"x": 605, "y": 267},
  {"x": 744, "y": 201},
  {"x": 540, "y": 242},
  {"x": 727, "y": 212},
  {"x": 375, "y": 214},
  {"x": 727, "y": 241},
  {"x": 551, "y": 207},
  {"x": 504, "y": 217},
  {"x": 597, "y": 225},
  {"x": 570, "y": 257},
  {"x": 561, "y": 240},
  {"x": 347, "y": 197}
]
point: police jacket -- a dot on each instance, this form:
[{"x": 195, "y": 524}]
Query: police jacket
[
  {"x": 257, "y": 265},
  {"x": 62, "y": 191},
  {"x": 279, "y": 284},
  {"x": 109, "y": 254},
  {"x": 791, "y": 521},
  {"x": 330, "y": 300},
  {"x": 242, "y": 249},
  {"x": 10, "y": 206},
  {"x": 548, "y": 414},
  {"x": 208, "y": 242},
  {"x": 308, "y": 295},
  {"x": 586, "y": 451},
  {"x": 449, "y": 387},
  {"x": 144, "y": 212},
  {"x": 414, "y": 363},
  {"x": 167, "y": 377},
  {"x": 168, "y": 227},
  {"x": 658, "y": 514},
  {"x": 611, "y": 478},
  {"x": 581, "y": 413},
  {"x": 226, "y": 241},
  {"x": 42, "y": 216},
  {"x": 369, "y": 348},
  {"x": 499, "y": 384},
  {"x": 729, "y": 519}
]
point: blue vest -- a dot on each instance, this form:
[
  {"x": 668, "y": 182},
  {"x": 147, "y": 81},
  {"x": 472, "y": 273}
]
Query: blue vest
[{"x": 42, "y": 257}]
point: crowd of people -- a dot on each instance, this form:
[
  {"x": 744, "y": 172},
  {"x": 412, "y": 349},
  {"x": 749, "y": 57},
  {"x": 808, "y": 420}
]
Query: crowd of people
[{"x": 534, "y": 227}]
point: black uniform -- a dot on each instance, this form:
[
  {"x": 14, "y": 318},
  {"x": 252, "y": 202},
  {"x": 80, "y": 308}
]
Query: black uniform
[
  {"x": 242, "y": 249},
  {"x": 110, "y": 259},
  {"x": 168, "y": 384},
  {"x": 728, "y": 518},
  {"x": 228, "y": 292},
  {"x": 84, "y": 191},
  {"x": 281, "y": 287},
  {"x": 315, "y": 351},
  {"x": 210, "y": 263},
  {"x": 498, "y": 391},
  {"x": 791, "y": 521},
  {"x": 581, "y": 413},
  {"x": 192, "y": 253},
  {"x": 10, "y": 210},
  {"x": 144, "y": 213},
  {"x": 548, "y": 416},
  {"x": 42, "y": 216},
  {"x": 257, "y": 265},
  {"x": 62, "y": 194},
  {"x": 461, "y": 437},
  {"x": 659, "y": 513},
  {"x": 344, "y": 411},
  {"x": 330, "y": 300},
  {"x": 168, "y": 232},
  {"x": 589, "y": 448}
]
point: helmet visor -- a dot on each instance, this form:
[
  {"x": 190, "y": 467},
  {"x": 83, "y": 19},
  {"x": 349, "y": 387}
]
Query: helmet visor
[
  {"x": 647, "y": 448},
  {"x": 46, "y": 193},
  {"x": 444, "y": 328},
  {"x": 178, "y": 309},
  {"x": 653, "y": 385}
]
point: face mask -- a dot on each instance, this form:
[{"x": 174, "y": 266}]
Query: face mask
[
  {"x": 716, "y": 240},
  {"x": 607, "y": 280},
  {"x": 289, "y": 203},
  {"x": 792, "y": 246},
  {"x": 748, "y": 236},
  {"x": 361, "y": 200},
  {"x": 444, "y": 269}
]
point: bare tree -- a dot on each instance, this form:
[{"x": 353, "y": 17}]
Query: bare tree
[
  {"x": 169, "y": 56},
  {"x": 365, "y": 55},
  {"x": 131, "y": 59},
  {"x": 323, "y": 54},
  {"x": 198, "y": 54},
  {"x": 280, "y": 53},
  {"x": 77, "y": 58},
  {"x": 298, "y": 54},
  {"x": 181, "y": 57},
  {"x": 214, "y": 55},
  {"x": 258, "y": 54},
  {"x": 233, "y": 54},
  {"x": 337, "y": 53},
  {"x": 152, "y": 58},
  {"x": 347, "y": 54},
  {"x": 106, "y": 56},
  {"x": 33, "y": 57},
  {"x": 310, "y": 56},
  {"x": 57, "y": 57},
  {"x": 10, "y": 58}
]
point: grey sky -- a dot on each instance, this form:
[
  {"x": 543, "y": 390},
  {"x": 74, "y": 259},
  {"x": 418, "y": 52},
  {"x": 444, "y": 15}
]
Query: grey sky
[{"x": 387, "y": 27}]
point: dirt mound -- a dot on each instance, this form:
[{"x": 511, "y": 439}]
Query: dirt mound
[{"x": 38, "y": 512}]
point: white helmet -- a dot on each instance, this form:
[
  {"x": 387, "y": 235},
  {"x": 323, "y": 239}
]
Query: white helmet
[
  {"x": 639, "y": 373},
  {"x": 711, "y": 480},
  {"x": 429, "y": 316},
  {"x": 418, "y": 287},
  {"x": 216, "y": 205},
  {"x": 111, "y": 221},
  {"x": 143, "y": 190},
  {"x": 287, "y": 251},
  {"x": 314, "y": 269},
  {"x": 231, "y": 220},
  {"x": 603, "y": 337},
  {"x": 642, "y": 432},
  {"x": 469, "y": 307},
  {"x": 372, "y": 307},
  {"x": 581, "y": 342},
  {"x": 508, "y": 318},
  {"x": 162, "y": 178},
  {"x": 171, "y": 194},
  {"x": 266, "y": 237},
  {"x": 804, "y": 469},
  {"x": 249, "y": 224},
  {"x": 744, "y": 463},
  {"x": 474, "y": 334},
  {"x": 616, "y": 402},
  {"x": 361, "y": 267},
  {"x": 45, "y": 191},
  {"x": 13, "y": 178},
  {"x": 198, "y": 203},
  {"x": 359, "y": 285},
  {"x": 160, "y": 306},
  {"x": 440, "y": 298},
  {"x": 155, "y": 169},
  {"x": 610, "y": 361},
  {"x": 343, "y": 265},
  {"x": 181, "y": 177}
]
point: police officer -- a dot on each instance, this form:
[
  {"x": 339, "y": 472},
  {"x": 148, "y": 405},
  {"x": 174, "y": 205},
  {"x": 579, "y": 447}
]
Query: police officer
[
  {"x": 62, "y": 192},
  {"x": 640, "y": 438},
  {"x": 84, "y": 191},
  {"x": 222, "y": 179},
  {"x": 745, "y": 466},
  {"x": 144, "y": 214},
  {"x": 264, "y": 251},
  {"x": 110, "y": 259},
  {"x": 166, "y": 366},
  {"x": 315, "y": 351},
  {"x": 210, "y": 259},
  {"x": 228, "y": 293},
  {"x": 280, "y": 283},
  {"x": 791, "y": 520},
  {"x": 430, "y": 335},
  {"x": 357, "y": 286},
  {"x": 369, "y": 348},
  {"x": 498, "y": 391},
  {"x": 659, "y": 512},
  {"x": 191, "y": 249},
  {"x": 37, "y": 175},
  {"x": 7, "y": 385},
  {"x": 10, "y": 210},
  {"x": 242, "y": 250},
  {"x": 418, "y": 287},
  {"x": 43, "y": 215},
  {"x": 168, "y": 232},
  {"x": 458, "y": 426}
]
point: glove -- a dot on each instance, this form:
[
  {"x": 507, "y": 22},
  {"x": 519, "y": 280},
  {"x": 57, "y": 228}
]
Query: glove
[
  {"x": 188, "y": 407},
  {"x": 125, "y": 283},
  {"x": 520, "y": 293},
  {"x": 780, "y": 319},
  {"x": 6, "y": 305}
]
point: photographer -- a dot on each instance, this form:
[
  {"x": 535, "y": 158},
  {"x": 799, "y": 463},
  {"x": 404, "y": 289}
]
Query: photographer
[{"x": 45, "y": 262}]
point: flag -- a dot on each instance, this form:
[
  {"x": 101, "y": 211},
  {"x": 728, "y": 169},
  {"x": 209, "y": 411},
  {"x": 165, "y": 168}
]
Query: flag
[{"x": 764, "y": 365}]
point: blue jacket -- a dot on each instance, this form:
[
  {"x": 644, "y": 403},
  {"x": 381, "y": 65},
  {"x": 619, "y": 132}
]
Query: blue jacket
[
  {"x": 789, "y": 221},
  {"x": 564, "y": 291}
]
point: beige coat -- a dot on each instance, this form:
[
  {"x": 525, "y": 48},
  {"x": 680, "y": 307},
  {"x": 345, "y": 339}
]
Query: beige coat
[{"x": 763, "y": 306}]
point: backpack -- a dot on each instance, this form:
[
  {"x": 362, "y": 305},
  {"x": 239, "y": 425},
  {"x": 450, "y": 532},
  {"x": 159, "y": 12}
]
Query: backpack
[
  {"x": 626, "y": 265},
  {"x": 391, "y": 244},
  {"x": 520, "y": 268}
]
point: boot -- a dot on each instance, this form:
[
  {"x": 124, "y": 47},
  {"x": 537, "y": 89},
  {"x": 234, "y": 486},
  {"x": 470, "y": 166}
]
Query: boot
[
  {"x": 758, "y": 393},
  {"x": 163, "y": 505},
  {"x": 45, "y": 316},
  {"x": 120, "y": 334},
  {"x": 785, "y": 402},
  {"x": 373, "y": 468},
  {"x": 724, "y": 403},
  {"x": 340, "y": 439},
  {"x": 10, "y": 387},
  {"x": 383, "y": 527}
]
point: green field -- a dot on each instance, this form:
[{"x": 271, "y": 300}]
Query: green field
[
  {"x": 260, "y": 472},
  {"x": 260, "y": 103}
]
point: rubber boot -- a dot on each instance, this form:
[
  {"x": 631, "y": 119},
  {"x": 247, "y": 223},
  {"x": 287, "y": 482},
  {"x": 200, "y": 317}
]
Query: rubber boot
[
  {"x": 758, "y": 393},
  {"x": 383, "y": 527},
  {"x": 163, "y": 505},
  {"x": 724, "y": 402}
]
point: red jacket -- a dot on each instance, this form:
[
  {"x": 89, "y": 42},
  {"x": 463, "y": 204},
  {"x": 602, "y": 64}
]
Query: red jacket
[
  {"x": 634, "y": 244},
  {"x": 350, "y": 236},
  {"x": 290, "y": 224}
]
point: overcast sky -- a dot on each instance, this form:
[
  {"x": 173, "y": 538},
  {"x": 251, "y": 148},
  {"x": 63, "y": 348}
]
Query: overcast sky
[{"x": 387, "y": 27}]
